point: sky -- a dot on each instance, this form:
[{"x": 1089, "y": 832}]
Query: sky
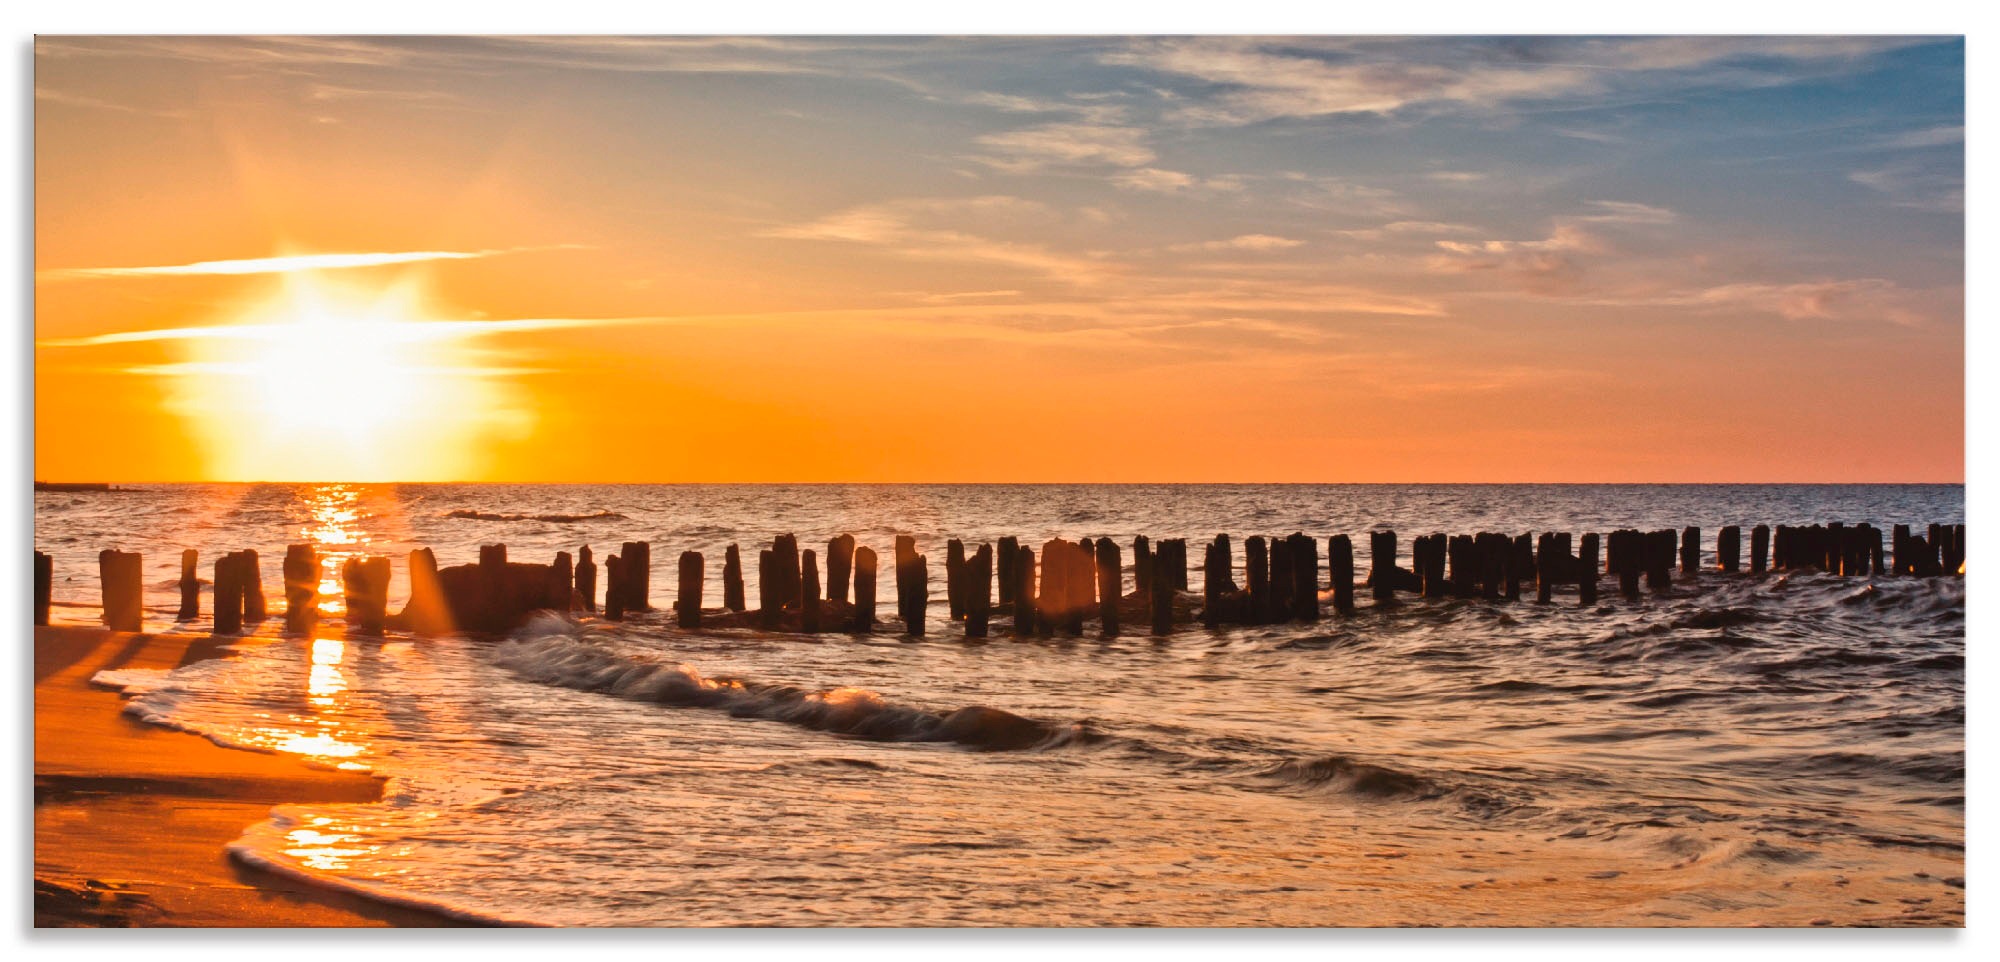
[{"x": 1326, "y": 259}]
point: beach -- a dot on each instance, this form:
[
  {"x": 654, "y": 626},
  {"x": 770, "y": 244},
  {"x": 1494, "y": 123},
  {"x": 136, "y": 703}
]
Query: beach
[{"x": 132, "y": 820}]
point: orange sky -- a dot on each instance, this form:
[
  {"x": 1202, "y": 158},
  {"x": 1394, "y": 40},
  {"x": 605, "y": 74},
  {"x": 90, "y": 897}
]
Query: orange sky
[{"x": 1028, "y": 260}]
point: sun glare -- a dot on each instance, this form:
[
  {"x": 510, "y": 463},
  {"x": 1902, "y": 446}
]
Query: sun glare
[{"x": 334, "y": 383}]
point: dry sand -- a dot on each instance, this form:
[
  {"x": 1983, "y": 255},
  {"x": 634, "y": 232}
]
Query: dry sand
[{"x": 131, "y": 820}]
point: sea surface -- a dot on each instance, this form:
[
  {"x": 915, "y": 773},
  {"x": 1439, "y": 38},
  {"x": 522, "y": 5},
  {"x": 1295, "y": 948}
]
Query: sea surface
[{"x": 1782, "y": 750}]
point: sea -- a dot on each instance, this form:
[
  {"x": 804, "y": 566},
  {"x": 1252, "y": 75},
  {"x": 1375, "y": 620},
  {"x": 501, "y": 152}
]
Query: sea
[{"x": 1784, "y": 749}]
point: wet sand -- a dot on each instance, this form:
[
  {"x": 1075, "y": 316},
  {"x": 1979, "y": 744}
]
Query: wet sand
[{"x": 131, "y": 820}]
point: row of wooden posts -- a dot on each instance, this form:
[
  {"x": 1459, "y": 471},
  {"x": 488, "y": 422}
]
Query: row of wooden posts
[{"x": 1078, "y": 579}]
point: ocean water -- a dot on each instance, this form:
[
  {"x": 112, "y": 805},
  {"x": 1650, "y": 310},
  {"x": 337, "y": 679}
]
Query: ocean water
[{"x": 1783, "y": 750}]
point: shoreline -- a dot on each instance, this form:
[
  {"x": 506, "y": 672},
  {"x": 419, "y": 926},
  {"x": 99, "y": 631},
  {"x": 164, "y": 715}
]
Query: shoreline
[{"x": 132, "y": 821}]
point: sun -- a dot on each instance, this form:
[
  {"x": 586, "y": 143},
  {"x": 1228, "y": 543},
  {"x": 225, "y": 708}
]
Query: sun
[{"x": 336, "y": 383}]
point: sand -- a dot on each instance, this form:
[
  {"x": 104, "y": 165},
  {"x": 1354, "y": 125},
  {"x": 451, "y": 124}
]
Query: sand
[{"x": 131, "y": 820}]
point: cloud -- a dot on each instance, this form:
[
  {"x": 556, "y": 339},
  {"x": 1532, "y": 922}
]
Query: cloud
[
  {"x": 1916, "y": 187},
  {"x": 405, "y": 332},
  {"x": 917, "y": 228},
  {"x": 1939, "y": 136},
  {"x": 1244, "y": 242},
  {"x": 1456, "y": 176},
  {"x": 286, "y": 264},
  {"x": 1066, "y": 145},
  {"x": 1627, "y": 212}
]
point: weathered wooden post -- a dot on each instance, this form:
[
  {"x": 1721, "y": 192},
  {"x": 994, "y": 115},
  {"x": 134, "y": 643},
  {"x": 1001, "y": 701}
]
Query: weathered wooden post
[
  {"x": 1586, "y": 577},
  {"x": 1004, "y": 562},
  {"x": 586, "y": 578},
  {"x": 1305, "y": 578},
  {"x": 768, "y": 611},
  {"x": 190, "y": 586},
  {"x": 1142, "y": 566},
  {"x": 1520, "y": 564},
  {"x": 839, "y": 566},
  {"x": 1833, "y": 551},
  {"x": 688, "y": 605},
  {"x": 1211, "y": 582},
  {"x": 1547, "y": 568},
  {"x": 636, "y": 576},
  {"x": 301, "y": 571},
  {"x": 120, "y": 585},
  {"x": 1340, "y": 569},
  {"x": 1081, "y": 590},
  {"x": 1626, "y": 549},
  {"x": 228, "y": 586},
  {"x": 1024, "y": 592},
  {"x": 1110, "y": 588},
  {"x": 45, "y": 583},
  {"x": 809, "y": 592},
  {"x": 786, "y": 579},
  {"x": 979, "y": 591},
  {"x": 864, "y": 590},
  {"x": 1228, "y": 564},
  {"x": 1459, "y": 551},
  {"x": 1660, "y": 561},
  {"x": 1283, "y": 582},
  {"x": 954, "y": 572},
  {"x": 732, "y": 578},
  {"x": 1729, "y": 549},
  {"x": 1690, "y": 550},
  {"x": 1427, "y": 560},
  {"x": 1958, "y": 550},
  {"x": 426, "y": 613},
  {"x": 1052, "y": 602},
  {"x": 365, "y": 583},
  {"x": 1256, "y": 578},
  {"x": 614, "y": 588},
  {"x": 1490, "y": 553},
  {"x": 1875, "y": 551},
  {"x": 562, "y": 583},
  {"x": 912, "y": 585},
  {"x": 1899, "y": 558},
  {"x": 1382, "y": 566},
  {"x": 254, "y": 608},
  {"x": 1177, "y": 564},
  {"x": 1760, "y": 543},
  {"x": 1162, "y": 595}
]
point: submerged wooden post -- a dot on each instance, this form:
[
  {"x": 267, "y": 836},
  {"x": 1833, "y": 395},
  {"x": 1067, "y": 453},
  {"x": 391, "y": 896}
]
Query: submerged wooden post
[
  {"x": 1178, "y": 565},
  {"x": 1004, "y": 563},
  {"x": 425, "y": 614},
  {"x": 1214, "y": 559},
  {"x": 636, "y": 577},
  {"x": 1548, "y": 569},
  {"x": 561, "y": 584},
  {"x": 586, "y": 578},
  {"x": 1109, "y": 586},
  {"x": 1491, "y": 550},
  {"x": 1256, "y": 578},
  {"x": 1690, "y": 550},
  {"x": 688, "y": 605},
  {"x": 228, "y": 586},
  {"x": 1052, "y": 601},
  {"x": 1760, "y": 543},
  {"x": 1081, "y": 573},
  {"x": 254, "y": 608},
  {"x": 864, "y": 590},
  {"x": 1382, "y": 565},
  {"x": 1283, "y": 582},
  {"x": 768, "y": 611},
  {"x": 954, "y": 572},
  {"x": 1024, "y": 592},
  {"x": 839, "y": 566},
  {"x": 301, "y": 571},
  {"x": 190, "y": 586},
  {"x": 1660, "y": 561},
  {"x": 1162, "y": 594},
  {"x": 45, "y": 582},
  {"x": 1875, "y": 551},
  {"x": 912, "y": 585},
  {"x": 809, "y": 592},
  {"x": 614, "y": 588},
  {"x": 1624, "y": 554},
  {"x": 978, "y": 591},
  {"x": 732, "y": 578},
  {"x": 1305, "y": 578},
  {"x": 1729, "y": 549},
  {"x": 1142, "y": 566},
  {"x": 119, "y": 575},
  {"x": 1340, "y": 569},
  {"x": 1586, "y": 578}
]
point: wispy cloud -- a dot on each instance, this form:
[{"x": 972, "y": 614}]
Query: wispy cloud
[
  {"x": 930, "y": 229},
  {"x": 1243, "y": 242},
  {"x": 405, "y": 332},
  {"x": 287, "y": 263},
  {"x": 1066, "y": 145}
]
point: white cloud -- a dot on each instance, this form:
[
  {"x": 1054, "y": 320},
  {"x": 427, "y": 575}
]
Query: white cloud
[
  {"x": 1066, "y": 145},
  {"x": 286, "y": 263},
  {"x": 1243, "y": 242}
]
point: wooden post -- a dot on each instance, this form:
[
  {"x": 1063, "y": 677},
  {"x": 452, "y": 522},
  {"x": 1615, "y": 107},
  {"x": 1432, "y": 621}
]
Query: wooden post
[
  {"x": 1178, "y": 566},
  {"x": 1690, "y": 550},
  {"x": 1078, "y": 571},
  {"x": 425, "y": 614},
  {"x": 254, "y": 608},
  {"x": 1305, "y": 578},
  {"x": 1283, "y": 582},
  {"x": 1110, "y": 577},
  {"x": 1729, "y": 549},
  {"x": 1340, "y": 569},
  {"x": 1052, "y": 602},
  {"x": 1257, "y": 577},
  {"x": 1382, "y": 565},
  {"x": 1490, "y": 551},
  {"x": 688, "y": 605},
  {"x": 1024, "y": 592},
  {"x": 1162, "y": 595},
  {"x": 913, "y": 591},
  {"x": 1142, "y": 567},
  {"x": 839, "y": 566},
  {"x": 562, "y": 583},
  {"x": 190, "y": 586},
  {"x": 228, "y": 586},
  {"x": 1213, "y": 561},
  {"x": 1228, "y": 564},
  {"x": 301, "y": 571},
  {"x": 1005, "y": 563},
  {"x": 768, "y": 611},
  {"x": 45, "y": 582},
  {"x": 1660, "y": 561},
  {"x": 732, "y": 578},
  {"x": 1429, "y": 565},
  {"x": 1586, "y": 580},
  {"x": 978, "y": 591},
  {"x": 614, "y": 588},
  {"x": 954, "y": 571},
  {"x": 1625, "y": 555},
  {"x": 586, "y": 578},
  {"x": 1520, "y": 564},
  {"x": 1459, "y": 551},
  {"x": 365, "y": 582},
  {"x": 1875, "y": 551},
  {"x": 864, "y": 590},
  {"x": 1547, "y": 568},
  {"x": 809, "y": 592},
  {"x": 121, "y": 587},
  {"x": 636, "y": 576},
  {"x": 1760, "y": 542}
]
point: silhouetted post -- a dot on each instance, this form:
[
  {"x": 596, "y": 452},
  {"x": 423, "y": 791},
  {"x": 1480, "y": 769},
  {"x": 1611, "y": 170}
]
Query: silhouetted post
[
  {"x": 912, "y": 586},
  {"x": 978, "y": 591},
  {"x": 1340, "y": 570},
  {"x": 1051, "y": 602},
  {"x": 1211, "y": 583},
  {"x": 1305, "y": 578},
  {"x": 1957, "y": 550},
  {"x": 228, "y": 587},
  {"x": 562, "y": 583},
  {"x": 1283, "y": 582},
  {"x": 119, "y": 575},
  {"x": 636, "y": 576},
  {"x": 786, "y": 579},
  {"x": 1177, "y": 565},
  {"x": 1760, "y": 543},
  {"x": 809, "y": 592},
  {"x": 1729, "y": 549},
  {"x": 1228, "y": 563},
  {"x": 301, "y": 571},
  {"x": 954, "y": 573},
  {"x": 1005, "y": 562},
  {"x": 1110, "y": 576},
  {"x": 768, "y": 611},
  {"x": 586, "y": 579},
  {"x": 1625, "y": 556},
  {"x": 1459, "y": 551},
  {"x": 45, "y": 583},
  {"x": 1690, "y": 550},
  {"x": 1520, "y": 564},
  {"x": 1660, "y": 561},
  {"x": 1078, "y": 571},
  {"x": 1875, "y": 551},
  {"x": 1256, "y": 578},
  {"x": 1834, "y": 550},
  {"x": 1427, "y": 557},
  {"x": 254, "y": 609},
  {"x": 1547, "y": 569},
  {"x": 1586, "y": 579},
  {"x": 688, "y": 605},
  {"x": 1024, "y": 592},
  {"x": 1899, "y": 558},
  {"x": 839, "y": 566},
  {"x": 732, "y": 578},
  {"x": 614, "y": 588},
  {"x": 365, "y": 582},
  {"x": 426, "y": 612},
  {"x": 1162, "y": 595},
  {"x": 1382, "y": 565},
  {"x": 190, "y": 587},
  {"x": 864, "y": 590},
  {"x": 1142, "y": 566},
  {"x": 1491, "y": 550}
]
